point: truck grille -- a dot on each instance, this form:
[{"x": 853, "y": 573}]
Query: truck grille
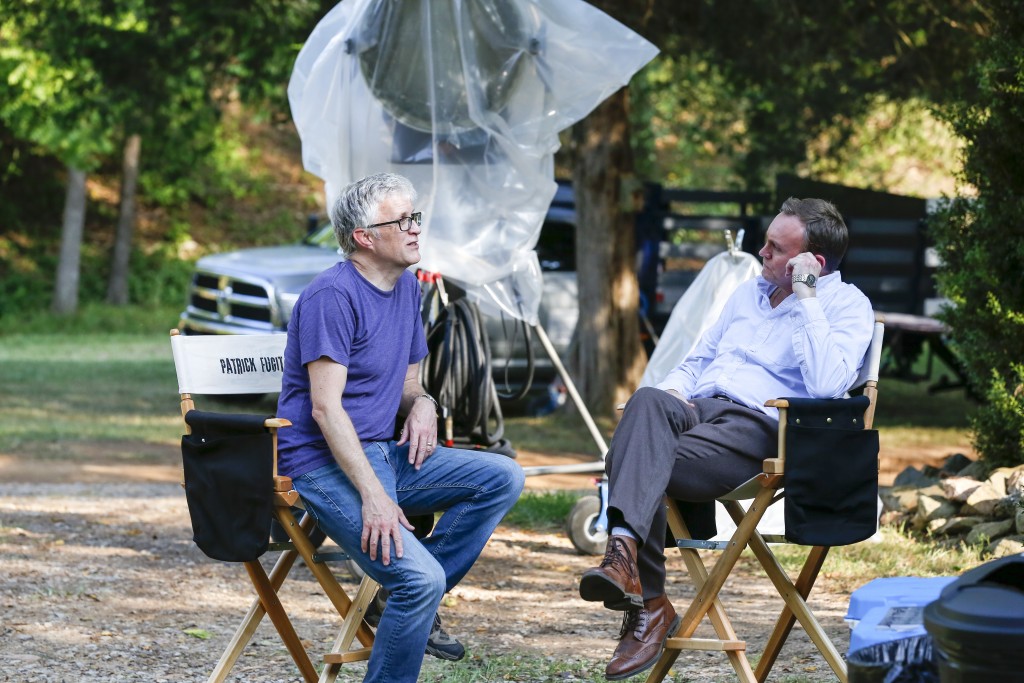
[{"x": 221, "y": 298}]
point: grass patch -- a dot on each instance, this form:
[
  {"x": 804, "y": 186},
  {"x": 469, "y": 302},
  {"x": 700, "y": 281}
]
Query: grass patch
[
  {"x": 541, "y": 510},
  {"x": 67, "y": 387},
  {"x": 912, "y": 404},
  {"x": 893, "y": 553},
  {"x": 559, "y": 432},
  {"x": 96, "y": 319},
  {"x": 484, "y": 668}
]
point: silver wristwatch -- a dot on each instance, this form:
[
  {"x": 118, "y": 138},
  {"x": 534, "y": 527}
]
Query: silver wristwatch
[{"x": 807, "y": 279}]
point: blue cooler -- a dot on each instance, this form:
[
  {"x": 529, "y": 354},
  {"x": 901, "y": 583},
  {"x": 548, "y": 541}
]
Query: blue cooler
[{"x": 891, "y": 608}]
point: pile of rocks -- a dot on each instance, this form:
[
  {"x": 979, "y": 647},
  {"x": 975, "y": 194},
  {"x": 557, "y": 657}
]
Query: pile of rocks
[{"x": 963, "y": 501}]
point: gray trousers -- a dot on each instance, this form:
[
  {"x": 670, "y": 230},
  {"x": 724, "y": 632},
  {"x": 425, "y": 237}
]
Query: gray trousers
[{"x": 663, "y": 446}]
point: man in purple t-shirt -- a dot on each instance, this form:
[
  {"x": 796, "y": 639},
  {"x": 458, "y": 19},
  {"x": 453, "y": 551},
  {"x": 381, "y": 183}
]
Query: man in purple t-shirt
[{"x": 355, "y": 341}]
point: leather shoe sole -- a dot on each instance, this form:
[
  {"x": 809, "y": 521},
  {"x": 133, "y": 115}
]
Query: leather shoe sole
[
  {"x": 647, "y": 663},
  {"x": 595, "y": 586}
]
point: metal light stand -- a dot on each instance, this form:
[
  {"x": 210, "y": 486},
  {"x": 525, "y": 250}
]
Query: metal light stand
[{"x": 588, "y": 522}]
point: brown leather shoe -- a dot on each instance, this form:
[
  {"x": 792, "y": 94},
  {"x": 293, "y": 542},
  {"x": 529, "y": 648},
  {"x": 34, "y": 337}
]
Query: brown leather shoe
[
  {"x": 617, "y": 581},
  {"x": 642, "y": 638}
]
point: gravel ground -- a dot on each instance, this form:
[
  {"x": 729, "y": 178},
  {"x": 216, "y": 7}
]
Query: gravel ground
[{"x": 101, "y": 582}]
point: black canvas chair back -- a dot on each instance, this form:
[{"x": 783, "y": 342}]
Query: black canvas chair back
[{"x": 229, "y": 483}]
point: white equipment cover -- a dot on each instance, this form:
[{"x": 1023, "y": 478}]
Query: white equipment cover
[
  {"x": 229, "y": 363},
  {"x": 466, "y": 99},
  {"x": 697, "y": 310}
]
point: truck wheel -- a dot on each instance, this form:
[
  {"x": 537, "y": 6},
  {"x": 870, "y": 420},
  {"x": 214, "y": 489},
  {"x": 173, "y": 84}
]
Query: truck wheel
[{"x": 580, "y": 525}]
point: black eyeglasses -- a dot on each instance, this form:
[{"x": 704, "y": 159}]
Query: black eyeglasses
[{"x": 403, "y": 223}]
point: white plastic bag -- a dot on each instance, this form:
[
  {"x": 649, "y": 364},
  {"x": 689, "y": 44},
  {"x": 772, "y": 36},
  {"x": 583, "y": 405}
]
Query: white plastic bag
[
  {"x": 466, "y": 99},
  {"x": 697, "y": 310}
]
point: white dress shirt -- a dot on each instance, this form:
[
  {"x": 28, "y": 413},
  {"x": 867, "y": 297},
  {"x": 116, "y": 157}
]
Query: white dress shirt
[{"x": 810, "y": 348}]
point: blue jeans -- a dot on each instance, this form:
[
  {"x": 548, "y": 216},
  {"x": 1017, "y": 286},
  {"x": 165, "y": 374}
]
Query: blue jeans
[{"x": 474, "y": 489}]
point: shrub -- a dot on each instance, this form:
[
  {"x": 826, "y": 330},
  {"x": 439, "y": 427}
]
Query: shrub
[{"x": 982, "y": 241}]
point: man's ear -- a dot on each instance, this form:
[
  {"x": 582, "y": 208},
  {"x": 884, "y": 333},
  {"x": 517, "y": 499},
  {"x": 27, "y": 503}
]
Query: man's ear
[
  {"x": 363, "y": 238},
  {"x": 821, "y": 261}
]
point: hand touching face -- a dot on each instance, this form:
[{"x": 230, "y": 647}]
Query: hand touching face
[{"x": 783, "y": 253}]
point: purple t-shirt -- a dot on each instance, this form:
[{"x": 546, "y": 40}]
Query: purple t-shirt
[{"x": 373, "y": 333}]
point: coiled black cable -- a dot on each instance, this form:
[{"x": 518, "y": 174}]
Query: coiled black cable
[
  {"x": 457, "y": 372},
  {"x": 524, "y": 389}
]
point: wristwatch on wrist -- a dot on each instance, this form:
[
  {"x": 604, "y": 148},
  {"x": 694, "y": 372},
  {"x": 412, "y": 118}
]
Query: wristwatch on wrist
[{"x": 807, "y": 279}]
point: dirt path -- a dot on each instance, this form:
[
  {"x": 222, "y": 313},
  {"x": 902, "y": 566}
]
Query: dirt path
[{"x": 99, "y": 581}]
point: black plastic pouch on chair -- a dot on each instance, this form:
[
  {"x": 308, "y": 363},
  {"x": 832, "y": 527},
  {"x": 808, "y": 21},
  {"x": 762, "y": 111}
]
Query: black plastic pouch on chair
[
  {"x": 831, "y": 472},
  {"x": 229, "y": 484}
]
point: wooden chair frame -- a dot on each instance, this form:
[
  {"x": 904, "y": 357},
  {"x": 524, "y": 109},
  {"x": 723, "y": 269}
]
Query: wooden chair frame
[
  {"x": 202, "y": 380},
  {"x": 763, "y": 490}
]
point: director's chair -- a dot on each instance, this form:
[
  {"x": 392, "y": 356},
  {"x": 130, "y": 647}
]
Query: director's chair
[
  {"x": 234, "y": 490},
  {"x": 828, "y": 459}
]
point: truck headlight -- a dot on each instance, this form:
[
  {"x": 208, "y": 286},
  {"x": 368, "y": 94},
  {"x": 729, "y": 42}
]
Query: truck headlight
[{"x": 287, "y": 302}]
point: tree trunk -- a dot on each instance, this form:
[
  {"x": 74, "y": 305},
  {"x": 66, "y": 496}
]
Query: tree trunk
[
  {"x": 117, "y": 287},
  {"x": 609, "y": 360},
  {"x": 65, "y": 292}
]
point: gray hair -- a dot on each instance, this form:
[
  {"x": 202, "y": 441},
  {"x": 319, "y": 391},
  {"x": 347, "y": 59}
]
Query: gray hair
[{"x": 358, "y": 205}]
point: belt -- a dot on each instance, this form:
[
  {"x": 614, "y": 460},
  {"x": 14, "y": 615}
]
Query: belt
[{"x": 723, "y": 397}]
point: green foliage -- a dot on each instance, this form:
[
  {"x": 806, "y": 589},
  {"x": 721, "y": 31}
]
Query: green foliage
[
  {"x": 158, "y": 279},
  {"x": 77, "y": 76},
  {"x": 896, "y": 146},
  {"x": 50, "y": 94},
  {"x": 981, "y": 241},
  {"x": 850, "y": 103},
  {"x": 688, "y": 122},
  {"x": 793, "y": 71}
]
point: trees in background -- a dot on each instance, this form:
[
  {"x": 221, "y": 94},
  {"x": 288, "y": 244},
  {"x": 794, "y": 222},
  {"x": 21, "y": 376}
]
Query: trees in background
[
  {"x": 55, "y": 101},
  {"x": 742, "y": 89},
  {"x": 981, "y": 240},
  {"x": 608, "y": 360},
  {"x": 798, "y": 68},
  {"x": 80, "y": 79},
  {"x": 752, "y": 83}
]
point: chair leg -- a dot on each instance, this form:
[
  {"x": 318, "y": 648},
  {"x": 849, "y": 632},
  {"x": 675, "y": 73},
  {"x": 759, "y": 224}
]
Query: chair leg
[
  {"x": 720, "y": 572},
  {"x": 706, "y": 602},
  {"x": 324, "y": 576},
  {"x": 728, "y": 640},
  {"x": 796, "y": 603},
  {"x": 244, "y": 632},
  {"x": 340, "y": 652},
  {"x": 272, "y": 604},
  {"x": 804, "y": 584}
]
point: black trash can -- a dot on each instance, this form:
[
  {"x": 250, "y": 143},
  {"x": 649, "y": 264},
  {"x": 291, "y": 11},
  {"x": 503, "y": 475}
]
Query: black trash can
[
  {"x": 977, "y": 624},
  {"x": 906, "y": 660}
]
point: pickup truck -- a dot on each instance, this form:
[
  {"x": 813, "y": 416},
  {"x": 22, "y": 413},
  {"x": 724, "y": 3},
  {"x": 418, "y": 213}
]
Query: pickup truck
[{"x": 252, "y": 291}]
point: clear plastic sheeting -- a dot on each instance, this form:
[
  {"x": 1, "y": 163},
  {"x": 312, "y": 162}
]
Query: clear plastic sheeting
[
  {"x": 697, "y": 310},
  {"x": 465, "y": 98}
]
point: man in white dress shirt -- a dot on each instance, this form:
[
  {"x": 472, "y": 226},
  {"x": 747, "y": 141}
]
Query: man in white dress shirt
[{"x": 797, "y": 330}]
